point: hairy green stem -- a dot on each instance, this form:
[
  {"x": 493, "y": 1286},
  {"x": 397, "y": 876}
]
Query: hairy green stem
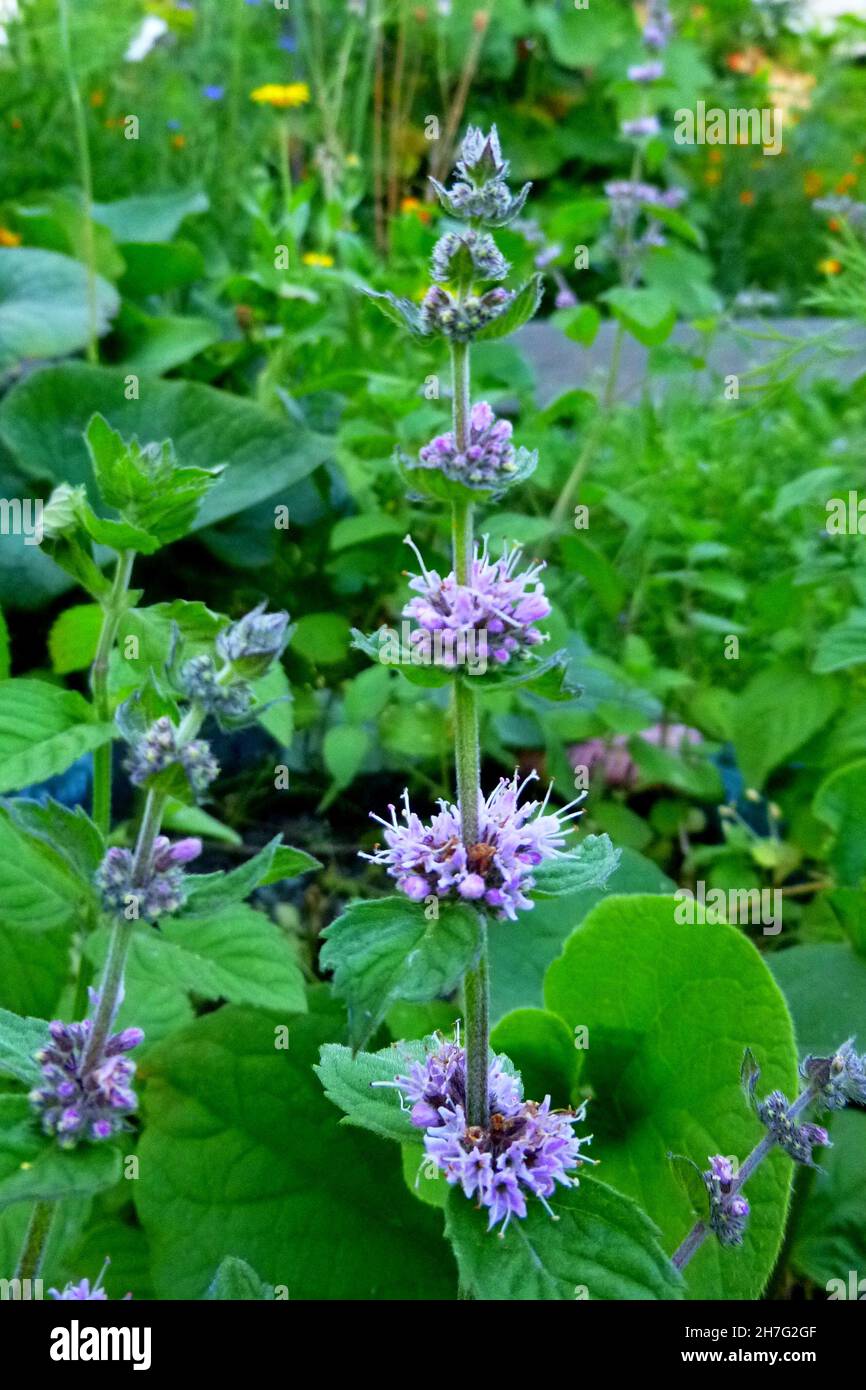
[
  {"x": 476, "y": 989},
  {"x": 112, "y": 612},
  {"x": 35, "y": 1240}
]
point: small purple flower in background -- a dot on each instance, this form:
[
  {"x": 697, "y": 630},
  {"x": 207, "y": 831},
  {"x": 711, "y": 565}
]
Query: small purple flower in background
[
  {"x": 287, "y": 42},
  {"x": 645, "y": 72},
  {"x": 162, "y": 890},
  {"x": 659, "y": 25},
  {"x": 213, "y": 92},
  {"x": 82, "y": 1289},
  {"x": 729, "y": 1212},
  {"x": 80, "y": 1099},
  {"x": 641, "y": 127},
  {"x": 525, "y": 1149},
  {"x": 199, "y": 680},
  {"x": 497, "y": 602},
  {"x": 173, "y": 123},
  {"x": 497, "y": 870},
  {"x": 797, "y": 1140},
  {"x": 489, "y": 460},
  {"x": 254, "y": 642}
]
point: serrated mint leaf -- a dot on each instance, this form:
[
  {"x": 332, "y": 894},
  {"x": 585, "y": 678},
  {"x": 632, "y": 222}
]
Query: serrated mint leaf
[
  {"x": 590, "y": 866},
  {"x": 601, "y": 1246},
  {"x": 387, "y": 950},
  {"x": 43, "y": 729},
  {"x": 67, "y": 834},
  {"x": 39, "y": 887},
  {"x": 20, "y": 1038},
  {"x": 399, "y": 311},
  {"x": 519, "y": 312},
  {"x": 207, "y": 893},
  {"x": 349, "y": 1082},
  {"x": 237, "y": 1280},
  {"x": 33, "y": 1168}
]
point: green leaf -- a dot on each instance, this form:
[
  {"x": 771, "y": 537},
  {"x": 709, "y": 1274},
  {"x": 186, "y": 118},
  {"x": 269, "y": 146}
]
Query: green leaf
[
  {"x": 542, "y": 1050},
  {"x": 289, "y": 863},
  {"x": 590, "y": 866},
  {"x": 235, "y": 1280},
  {"x": 20, "y": 1038},
  {"x": 207, "y": 893},
  {"x": 580, "y": 324},
  {"x": 843, "y": 645},
  {"x": 521, "y": 951},
  {"x": 40, "y": 886},
  {"x": 825, "y": 986},
  {"x": 68, "y": 837},
  {"x": 669, "y": 1011},
  {"x": 519, "y": 311},
  {"x": 322, "y": 638},
  {"x": 73, "y": 638},
  {"x": 43, "y": 418},
  {"x": 149, "y": 217},
  {"x": 238, "y": 954},
  {"x": 240, "y": 1152},
  {"x": 5, "y": 656},
  {"x": 351, "y": 1082},
  {"x": 647, "y": 314},
  {"x": 43, "y": 729},
  {"x": 387, "y": 950},
  {"x": 152, "y": 492},
  {"x": 600, "y": 1246},
  {"x": 400, "y": 311},
  {"x": 33, "y": 1168},
  {"x": 44, "y": 305},
  {"x": 777, "y": 712},
  {"x": 840, "y": 802},
  {"x": 344, "y": 749},
  {"x": 831, "y": 1235}
]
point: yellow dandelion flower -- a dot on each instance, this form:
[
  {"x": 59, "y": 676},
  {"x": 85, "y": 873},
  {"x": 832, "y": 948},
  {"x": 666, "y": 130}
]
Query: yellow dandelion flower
[
  {"x": 284, "y": 96},
  {"x": 830, "y": 266},
  {"x": 317, "y": 258},
  {"x": 8, "y": 238},
  {"x": 352, "y": 161}
]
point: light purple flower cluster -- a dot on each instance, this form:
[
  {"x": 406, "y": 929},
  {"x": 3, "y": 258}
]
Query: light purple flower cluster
[
  {"x": 796, "y": 1140},
  {"x": 659, "y": 25},
  {"x": 729, "y": 1211},
  {"x": 628, "y": 199},
  {"x": 76, "y": 1291},
  {"x": 544, "y": 260},
  {"x": 199, "y": 680},
  {"x": 641, "y": 127},
  {"x": 470, "y": 253},
  {"x": 645, "y": 72},
  {"x": 80, "y": 1099},
  {"x": 838, "y": 1080},
  {"x": 158, "y": 749},
  {"x": 460, "y": 319},
  {"x": 489, "y": 459},
  {"x": 525, "y": 1149},
  {"x": 497, "y": 871},
  {"x": 161, "y": 889},
  {"x": 480, "y": 192},
  {"x": 496, "y": 602}
]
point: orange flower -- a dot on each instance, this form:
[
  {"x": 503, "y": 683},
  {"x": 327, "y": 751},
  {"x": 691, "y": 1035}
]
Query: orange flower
[
  {"x": 830, "y": 266},
  {"x": 8, "y": 238},
  {"x": 712, "y": 176},
  {"x": 714, "y": 156},
  {"x": 178, "y": 142},
  {"x": 415, "y": 206},
  {"x": 97, "y": 98},
  {"x": 858, "y": 159},
  {"x": 846, "y": 183},
  {"x": 738, "y": 62},
  {"x": 834, "y": 225},
  {"x": 747, "y": 197},
  {"x": 16, "y": 123},
  {"x": 813, "y": 182}
]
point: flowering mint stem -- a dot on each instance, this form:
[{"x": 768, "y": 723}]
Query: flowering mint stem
[
  {"x": 476, "y": 988},
  {"x": 699, "y": 1232},
  {"x": 35, "y": 1240},
  {"x": 112, "y": 612}
]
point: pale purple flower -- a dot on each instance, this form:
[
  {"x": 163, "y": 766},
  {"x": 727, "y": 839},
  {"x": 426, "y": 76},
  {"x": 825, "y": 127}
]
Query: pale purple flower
[
  {"x": 460, "y": 319},
  {"x": 565, "y": 298},
  {"x": 797, "y": 1140},
  {"x": 499, "y": 602},
  {"x": 497, "y": 871},
  {"x": 839, "y": 1080},
  {"x": 729, "y": 1211},
  {"x": 525, "y": 1149},
  {"x": 79, "y": 1100},
  {"x": 489, "y": 457},
  {"x": 213, "y": 92},
  {"x": 161, "y": 888},
  {"x": 645, "y": 72},
  {"x": 158, "y": 749},
  {"x": 481, "y": 192},
  {"x": 82, "y": 1290},
  {"x": 659, "y": 26},
  {"x": 640, "y": 127}
]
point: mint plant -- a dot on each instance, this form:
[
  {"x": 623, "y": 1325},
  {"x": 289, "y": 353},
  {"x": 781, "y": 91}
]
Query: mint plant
[{"x": 84, "y": 1097}]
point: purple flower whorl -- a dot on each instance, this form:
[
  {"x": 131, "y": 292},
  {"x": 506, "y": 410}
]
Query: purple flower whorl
[
  {"x": 489, "y": 459},
  {"x": 161, "y": 890},
  {"x": 496, "y": 603},
  {"x": 525, "y": 1149},
  {"x": 496, "y": 872},
  {"x": 78, "y": 1101}
]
